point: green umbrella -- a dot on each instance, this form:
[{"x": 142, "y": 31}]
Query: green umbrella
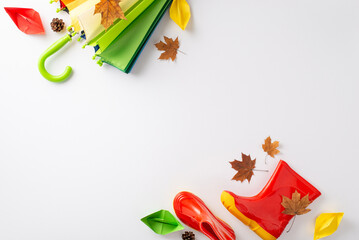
[{"x": 120, "y": 45}]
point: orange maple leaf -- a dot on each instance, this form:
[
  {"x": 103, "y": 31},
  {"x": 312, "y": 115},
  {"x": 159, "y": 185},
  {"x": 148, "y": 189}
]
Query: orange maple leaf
[
  {"x": 244, "y": 168},
  {"x": 110, "y": 11},
  {"x": 170, "y": 48},
  {"x": 270, "y": 148},
  {"x": 296, "y": 205}
]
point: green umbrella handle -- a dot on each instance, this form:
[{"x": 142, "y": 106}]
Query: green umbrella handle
[{"x": 51, "y": 50}]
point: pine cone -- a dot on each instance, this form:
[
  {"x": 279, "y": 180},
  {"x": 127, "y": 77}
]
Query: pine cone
[
  {"x": 57, "y": 25},
  {"x": 188, "y": 235}
]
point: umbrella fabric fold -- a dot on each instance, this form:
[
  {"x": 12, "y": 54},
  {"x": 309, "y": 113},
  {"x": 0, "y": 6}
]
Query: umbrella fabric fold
[
  {"x": 91, "y": 23},
  {"x": 125, "y": 49},
  {"x": 105, "y": 38}
]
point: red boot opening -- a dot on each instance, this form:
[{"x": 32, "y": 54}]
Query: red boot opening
[{"x": 192, "y": 211}]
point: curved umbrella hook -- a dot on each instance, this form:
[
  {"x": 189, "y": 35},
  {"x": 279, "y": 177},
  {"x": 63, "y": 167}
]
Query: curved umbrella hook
[{"x": 50, "y": 51}]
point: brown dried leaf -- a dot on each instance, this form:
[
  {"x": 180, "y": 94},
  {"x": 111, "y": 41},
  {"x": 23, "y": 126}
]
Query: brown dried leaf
[
  {"x": 170, "y": 48},
  {"x": 270, "y": 148},
  {"x": 296, "y": 205},
  {"x": 110, "y": 11},
  {"x": 244, "y": 168}
]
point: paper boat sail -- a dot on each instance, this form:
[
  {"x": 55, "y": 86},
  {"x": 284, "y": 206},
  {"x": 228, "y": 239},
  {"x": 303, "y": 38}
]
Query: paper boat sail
[
  {"x": 162, "y": 222},
  {"x": 26, "y": 19}
]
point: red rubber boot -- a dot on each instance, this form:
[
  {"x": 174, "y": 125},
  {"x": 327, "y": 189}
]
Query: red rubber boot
[
  {"x": 192, "y": 211},
  {"x": 263, "y": 212}
]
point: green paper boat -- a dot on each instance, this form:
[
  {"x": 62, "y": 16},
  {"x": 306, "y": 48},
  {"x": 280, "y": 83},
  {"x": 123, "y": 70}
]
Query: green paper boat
[{"x": 162, "y": 222}]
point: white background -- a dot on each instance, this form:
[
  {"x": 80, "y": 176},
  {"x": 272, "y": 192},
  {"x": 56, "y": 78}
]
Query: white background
[{"x": 86, "y": 159}]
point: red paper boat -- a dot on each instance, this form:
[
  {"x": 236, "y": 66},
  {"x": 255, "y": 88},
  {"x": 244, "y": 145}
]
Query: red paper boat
[{"x": 26, "y": 19}]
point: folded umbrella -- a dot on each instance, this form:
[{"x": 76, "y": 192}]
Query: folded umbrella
[{"x": 120, "y": 44}]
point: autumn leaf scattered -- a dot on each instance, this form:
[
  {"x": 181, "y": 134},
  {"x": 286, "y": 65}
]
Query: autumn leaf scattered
[
  {"x": 296, "y": 205},
  {"x": 110, "y": 11},
  {"x": 244, "y": 168},
  {"x": 270, "y": 148},
  {"x": 170, "y": 48}
]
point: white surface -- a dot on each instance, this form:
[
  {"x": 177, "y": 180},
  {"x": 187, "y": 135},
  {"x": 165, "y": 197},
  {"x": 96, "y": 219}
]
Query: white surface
[{"x": 86, "y": 159}]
